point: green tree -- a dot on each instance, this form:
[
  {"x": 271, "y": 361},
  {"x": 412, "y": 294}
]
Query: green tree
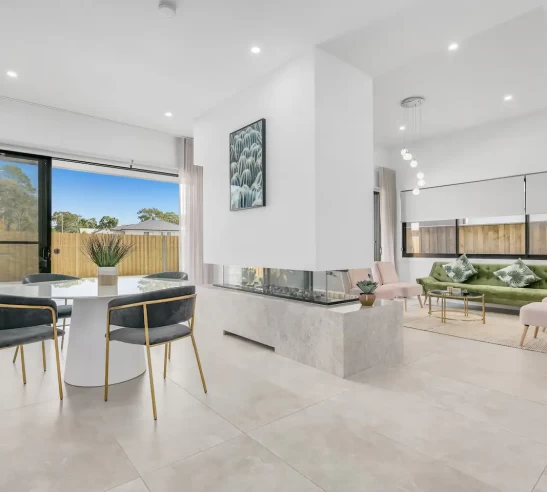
[
  {"x": 18, "y": 200},
  {"x": 15, "y": 173},
  {"x": 156, "y": 214},
  {"x": 89, "y": 223},
  {"x": 108, "y": 222},
  {"x": 66, "y": 222}
]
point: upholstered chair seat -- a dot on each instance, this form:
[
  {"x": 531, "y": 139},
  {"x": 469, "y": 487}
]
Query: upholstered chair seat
[
  {"x": 389, "y": 286},
  {"x": 169, "y": 276}
]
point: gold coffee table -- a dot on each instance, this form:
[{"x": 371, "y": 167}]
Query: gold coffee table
[{"x": 443, "y": 295}]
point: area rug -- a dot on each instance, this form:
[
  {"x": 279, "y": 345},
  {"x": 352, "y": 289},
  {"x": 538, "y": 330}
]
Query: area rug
[{"x": 500, "y": 328}]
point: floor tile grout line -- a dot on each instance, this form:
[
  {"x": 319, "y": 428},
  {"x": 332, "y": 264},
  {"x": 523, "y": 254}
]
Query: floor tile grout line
[
  {"x": 258, "y": 427},
  {"x": 299, "y": 410},
  {"x": 474, "y": 419},
  {"x": 288, "y": 464},
  {"x": 474, "y": 384},
  {"x": 539, "y": 478},
  {"x": 187, "y": 457}
]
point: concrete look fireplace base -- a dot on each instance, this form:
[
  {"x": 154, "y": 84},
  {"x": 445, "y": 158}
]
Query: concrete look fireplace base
[{"x": 342, "y": 340}]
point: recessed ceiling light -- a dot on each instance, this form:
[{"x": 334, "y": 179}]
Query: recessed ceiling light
[
  {"x": 453, "y": 46},
  {"x": 255, "y": 50},
  {"x": 168, "y": 114},
  {"x": 508, "y": 97},
  {"x": 402, "y": 127},
  {"x": 12, "y": 74}
]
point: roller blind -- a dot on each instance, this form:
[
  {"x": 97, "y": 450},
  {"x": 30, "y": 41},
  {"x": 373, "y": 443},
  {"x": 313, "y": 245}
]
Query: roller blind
[
  {"x": 536, "y": 193},
  {"x": 492, "y": 198}
]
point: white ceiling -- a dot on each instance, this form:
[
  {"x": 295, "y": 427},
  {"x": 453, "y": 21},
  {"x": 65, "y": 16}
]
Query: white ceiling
[
  {"x": 503, "y": 50},
  {"x": 118, "y": 59}
]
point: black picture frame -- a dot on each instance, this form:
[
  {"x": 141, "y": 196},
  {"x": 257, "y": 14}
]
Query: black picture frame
[{"x": 247, "y": 171}]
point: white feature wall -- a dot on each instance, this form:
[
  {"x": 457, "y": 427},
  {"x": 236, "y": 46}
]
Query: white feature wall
[
  {"x": 47, "y": 131},
  {"x": 318, "y": 114},
  {"x": 512, "y": 147}
]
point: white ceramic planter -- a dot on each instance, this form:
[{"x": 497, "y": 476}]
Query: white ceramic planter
[{"x": 108, "y": 275}]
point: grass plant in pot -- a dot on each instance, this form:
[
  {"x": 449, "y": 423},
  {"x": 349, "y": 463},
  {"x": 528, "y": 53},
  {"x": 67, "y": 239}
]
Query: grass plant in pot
[
  {"x": 106, "y": 251},
  {"x": 367, "y": 287}
]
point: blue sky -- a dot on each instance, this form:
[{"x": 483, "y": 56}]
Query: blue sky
[{"x": 96, "y": 195}]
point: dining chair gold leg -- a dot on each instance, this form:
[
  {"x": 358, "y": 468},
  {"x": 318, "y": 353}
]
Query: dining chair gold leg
[
  {"x": 167, "y": 350},
  {"x": 523, "y": 336},
  {"x": 15, "y": 354},
  {"x": 420, "y": 301},
  {"x": 536, "y": 332},
  {"x": 23, "y": 365},
  {"x": 44, "y": 354},
  {"x": 106, "y": 368},
  {"x": 405, "y": 304},
  {"x": 63, "y": 337},
  {"x": 151, "y": 382},
  {"x": 59, "y": 382},
  {"x": 199, "y": 364}
]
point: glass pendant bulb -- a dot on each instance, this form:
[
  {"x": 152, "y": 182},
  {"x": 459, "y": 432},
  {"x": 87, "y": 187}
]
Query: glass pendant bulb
[
  {"x": 407, "y": 156},
  {"x": 421, "y": 182},
  {"x": 420, "y": 175},
  {"x": 404, "y": 151},
  {"x": 413, "y": 163},
  {"x": 416, "y": 191}
]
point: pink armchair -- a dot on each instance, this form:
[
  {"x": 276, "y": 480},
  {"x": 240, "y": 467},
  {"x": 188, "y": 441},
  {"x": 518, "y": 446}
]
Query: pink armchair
[{"x": 389, "y": 286}]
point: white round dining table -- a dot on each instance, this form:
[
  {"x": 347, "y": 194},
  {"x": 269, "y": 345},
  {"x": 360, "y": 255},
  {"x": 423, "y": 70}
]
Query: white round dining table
[{"x": 85, "y": 356}]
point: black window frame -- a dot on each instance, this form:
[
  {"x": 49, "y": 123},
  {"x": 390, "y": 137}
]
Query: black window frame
[{"x": 44, "y": 164}]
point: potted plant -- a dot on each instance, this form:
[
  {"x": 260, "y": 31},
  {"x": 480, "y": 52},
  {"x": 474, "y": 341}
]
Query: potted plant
[
  {"x": 106, "y": 251},
  {"x": 367, "y": 287}
]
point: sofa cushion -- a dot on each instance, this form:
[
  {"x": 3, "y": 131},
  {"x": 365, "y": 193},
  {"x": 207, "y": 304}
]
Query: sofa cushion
[
  {"x": 387, "y": 272},
  {"x": 517, "y": 275},
  {"x": 460, "y": 270}
]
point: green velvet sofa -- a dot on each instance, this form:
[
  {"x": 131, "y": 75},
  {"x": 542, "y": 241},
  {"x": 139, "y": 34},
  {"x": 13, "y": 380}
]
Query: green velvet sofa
[{"x": 485, "y": 282}]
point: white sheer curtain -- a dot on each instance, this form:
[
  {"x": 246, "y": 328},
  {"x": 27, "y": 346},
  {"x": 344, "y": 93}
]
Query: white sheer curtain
[
  {"x": 191, "y": 215},
  {"x": 388, "y": 213}
]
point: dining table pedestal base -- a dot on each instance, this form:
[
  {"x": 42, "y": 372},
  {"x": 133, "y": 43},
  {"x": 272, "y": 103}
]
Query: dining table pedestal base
[{"x": 86, "y": 351}]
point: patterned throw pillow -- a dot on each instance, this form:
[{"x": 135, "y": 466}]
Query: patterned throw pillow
[
  {"x": 517, "y": 275},
  {"x": 460, "y": 270}
]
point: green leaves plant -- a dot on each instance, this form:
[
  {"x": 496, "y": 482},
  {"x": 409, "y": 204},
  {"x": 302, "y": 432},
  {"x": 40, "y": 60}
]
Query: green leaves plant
[{"x": 106, "y": 250}]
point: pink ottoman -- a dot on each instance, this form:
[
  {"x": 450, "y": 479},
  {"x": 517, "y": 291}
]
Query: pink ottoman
[{"x": 533, "y": 314}]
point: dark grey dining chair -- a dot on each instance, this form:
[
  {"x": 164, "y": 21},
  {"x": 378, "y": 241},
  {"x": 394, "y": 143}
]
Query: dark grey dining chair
[
  {"x": 169, "y": 276},
  {"x": 25, "y": 320},
  {"x": 151, "y": 319},
  {"x": 64, "y": 311}
]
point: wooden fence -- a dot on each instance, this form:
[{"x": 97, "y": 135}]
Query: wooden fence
[
  {"x": 508, "y": 239},
  {"x": 150, "y": 254}
]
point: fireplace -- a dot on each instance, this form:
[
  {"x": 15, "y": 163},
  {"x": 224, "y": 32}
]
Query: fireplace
[{"x": 326, "y": 287}]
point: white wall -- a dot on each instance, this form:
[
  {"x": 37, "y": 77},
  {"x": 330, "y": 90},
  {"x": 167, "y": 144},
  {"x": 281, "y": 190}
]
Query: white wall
[
  {"x": 506, "y": 148},
  {"x": 42, "y": 130},
  {"x": 344, "y": 165},
  {"x": 312, "y": 192}
]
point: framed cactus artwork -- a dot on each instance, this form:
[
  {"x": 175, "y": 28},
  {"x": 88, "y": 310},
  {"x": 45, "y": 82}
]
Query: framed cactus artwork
[{"x": 248, "y": 166}]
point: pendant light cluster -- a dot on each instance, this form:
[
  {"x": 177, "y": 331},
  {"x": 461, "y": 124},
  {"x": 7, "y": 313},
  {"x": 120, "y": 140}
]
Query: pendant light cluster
[{"x": 413, "y": 119}]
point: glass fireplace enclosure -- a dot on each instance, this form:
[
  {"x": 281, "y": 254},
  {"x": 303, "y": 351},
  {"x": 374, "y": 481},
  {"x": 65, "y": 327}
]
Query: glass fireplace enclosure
[{"x": 327, "y": 287}]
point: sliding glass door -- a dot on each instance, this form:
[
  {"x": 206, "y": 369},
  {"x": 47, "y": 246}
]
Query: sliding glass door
[{"x": 25, "y": 215}]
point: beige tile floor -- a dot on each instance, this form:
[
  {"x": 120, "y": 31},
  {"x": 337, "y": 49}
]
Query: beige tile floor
[{"x": 457, "y": 415}]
